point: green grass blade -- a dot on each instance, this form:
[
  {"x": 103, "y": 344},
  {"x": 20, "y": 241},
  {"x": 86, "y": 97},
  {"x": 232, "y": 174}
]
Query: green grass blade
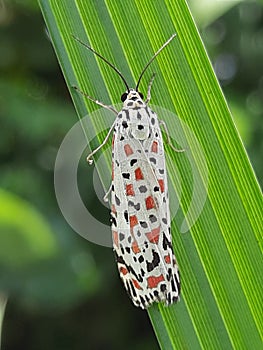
[{"x": 221, "y": 258}]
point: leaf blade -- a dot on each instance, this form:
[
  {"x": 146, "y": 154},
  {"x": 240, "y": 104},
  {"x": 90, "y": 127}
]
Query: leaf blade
[{"x": 229, "y": 228}]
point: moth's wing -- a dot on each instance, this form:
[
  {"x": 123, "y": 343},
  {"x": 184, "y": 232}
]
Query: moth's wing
[
  {"x": 141, "y": 227},
  {"x": 157, "y": 177}
]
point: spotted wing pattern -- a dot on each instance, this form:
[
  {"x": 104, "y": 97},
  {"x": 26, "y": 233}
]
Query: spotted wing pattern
[{"x": 140, "y": 207}]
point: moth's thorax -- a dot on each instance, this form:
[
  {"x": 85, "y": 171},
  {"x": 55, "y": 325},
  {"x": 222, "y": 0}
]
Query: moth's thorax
[
  {"x": 136, "y": 119},
  {"x": 133, "y": 100}
]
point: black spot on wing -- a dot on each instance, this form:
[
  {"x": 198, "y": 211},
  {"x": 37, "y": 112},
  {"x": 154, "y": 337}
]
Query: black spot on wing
[
  {"x": 143, "y": 189},
  {"x": 133, "y": 161},
  {"x": 156, "y": 294},
  {"x": 113, "y": 221},
  {"x": 119, "y": 259},
  {"x": 163, "y": 287},
  {"x": 154, "y": 263},
  {"x": 168, "y": 301},
  {"x": 137, "y": 206},
  {"x": 143, "y": 224},
  {"x": 126, "y": 175},
  {"x": 174, "y": 289},
  {"x": 126, "y": 216},
  {"x": 166, "y": 243},
  {"x": 117, "y": 200},
  {"x": 152, "y": 218},
  {"x": 128, "y": 289},
  {"x": 170, "y": 274},
  {"x": 132, "y": 288},
  {"x": 141, "y": 259},
  {"x": 139, "y": 116},
  {"x": 142, "y": 300},
  {"x": 121, "y": 236}
]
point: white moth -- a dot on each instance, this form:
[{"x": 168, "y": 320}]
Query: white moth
[{"x": 140, "y": 213}]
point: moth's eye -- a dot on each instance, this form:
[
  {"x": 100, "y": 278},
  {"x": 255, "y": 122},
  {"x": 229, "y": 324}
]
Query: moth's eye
[
  {"x": 141, "y": 95},
  {"x": 124, "y": 96}
]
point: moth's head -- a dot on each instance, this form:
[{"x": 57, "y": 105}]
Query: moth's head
[{"x": 132, "y": 98}]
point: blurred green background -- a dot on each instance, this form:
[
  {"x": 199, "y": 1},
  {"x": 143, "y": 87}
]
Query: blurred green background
[{"x": 64, "y": 292}]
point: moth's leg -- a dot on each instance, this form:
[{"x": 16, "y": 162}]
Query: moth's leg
[
  {"x": 89, "y": 160},
  {"x": 105, "y": 198},
  {"x": 149, "y": 89},
  {"x": 169, "y": 142},
  {"x": 110, "y": 108}
]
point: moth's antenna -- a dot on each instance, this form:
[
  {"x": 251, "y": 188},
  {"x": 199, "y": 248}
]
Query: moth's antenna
[
  {"x": 104, "y": 59},
  {"x": 156, "y": 54}
]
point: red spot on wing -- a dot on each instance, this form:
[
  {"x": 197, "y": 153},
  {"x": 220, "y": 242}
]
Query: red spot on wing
[
  {"x": 138, "y": 174},
  {"x": 153, "y": 281},
  {"x": 161, "y": 184},
  {"x": 149, "y": 201},
  {"x": 136, "y": 284},
  {"x": 129, "y": 190},
  {"x": 167, "y": 259},
  {"x": 155, "y": 147},
  {"x": 113, "y": 139},
  {"x": 128, "y": 150},
  {"x": 115, "y": 238},
  {"x": 113, "y": 209},
  {"x": 123, "y": 270},
  {"x": 135, "y": 248},
  {"x": 153, "y": 236},
  {"x": 133, "y": 221}
]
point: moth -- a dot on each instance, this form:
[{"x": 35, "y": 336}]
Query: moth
[{"x": 140, "y": 216}]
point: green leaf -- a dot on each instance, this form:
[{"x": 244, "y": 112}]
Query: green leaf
[{"x": 220, "y": 258}]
